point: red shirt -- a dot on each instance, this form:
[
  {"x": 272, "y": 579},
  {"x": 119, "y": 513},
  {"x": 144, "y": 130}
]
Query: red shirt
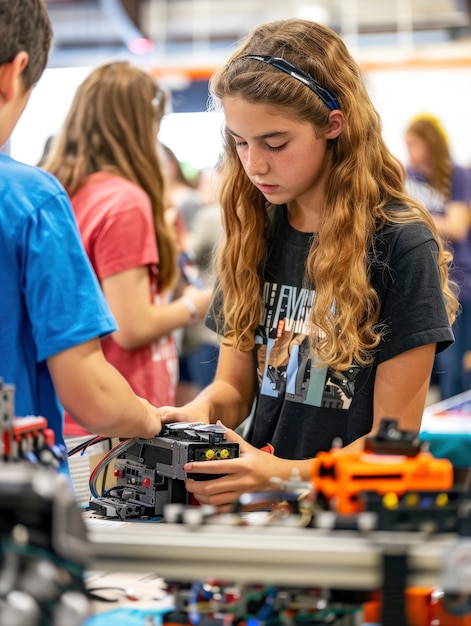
[{"x": 115, "y": 220}]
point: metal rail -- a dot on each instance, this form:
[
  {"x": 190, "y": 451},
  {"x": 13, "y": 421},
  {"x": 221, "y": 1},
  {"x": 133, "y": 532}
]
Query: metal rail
[{"x": 274, "y": 555}]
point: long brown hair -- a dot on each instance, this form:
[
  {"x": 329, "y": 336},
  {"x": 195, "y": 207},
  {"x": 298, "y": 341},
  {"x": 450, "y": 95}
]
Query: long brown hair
[
  {"x": 439, "y": 164},
  {"x": 110, "y": 127},
  {"x": 364, "y": 179}
]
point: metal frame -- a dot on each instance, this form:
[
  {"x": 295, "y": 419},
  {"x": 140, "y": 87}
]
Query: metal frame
[{"x": 277, "y": 555}]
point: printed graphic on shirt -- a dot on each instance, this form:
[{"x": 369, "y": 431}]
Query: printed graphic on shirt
[
  {"x": 284, "y": 365},
  {"x": 432, "y": 199}
]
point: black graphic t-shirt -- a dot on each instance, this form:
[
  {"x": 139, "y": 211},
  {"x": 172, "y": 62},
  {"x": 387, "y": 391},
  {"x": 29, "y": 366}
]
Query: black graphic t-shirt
[{"x": 301, "y": 408}]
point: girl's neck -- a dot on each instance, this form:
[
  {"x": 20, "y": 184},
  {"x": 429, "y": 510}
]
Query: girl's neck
[{"x": 306, "y": 221}]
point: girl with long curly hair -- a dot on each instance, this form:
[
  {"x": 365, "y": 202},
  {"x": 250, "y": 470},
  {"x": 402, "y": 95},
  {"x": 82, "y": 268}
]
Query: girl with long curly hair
[{"x": 333, "y": 294}]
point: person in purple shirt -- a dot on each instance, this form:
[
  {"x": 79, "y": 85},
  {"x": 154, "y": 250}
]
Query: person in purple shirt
[{"x": 444, "y": 189}]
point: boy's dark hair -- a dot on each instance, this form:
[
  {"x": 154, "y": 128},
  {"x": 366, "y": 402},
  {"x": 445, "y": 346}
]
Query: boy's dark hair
[{"x": 25, "y": 25}]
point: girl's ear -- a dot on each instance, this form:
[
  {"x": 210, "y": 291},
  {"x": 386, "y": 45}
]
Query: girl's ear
[
  {"x": 10, "y": 73},
  {"x": 335, "y": 124}
]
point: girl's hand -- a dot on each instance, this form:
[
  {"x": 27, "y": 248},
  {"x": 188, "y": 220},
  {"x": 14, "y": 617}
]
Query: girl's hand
[
  {"x": 253, "y": 471},
  {"x": 170, "y": 414},
  {"x": 200, "y": 299}
]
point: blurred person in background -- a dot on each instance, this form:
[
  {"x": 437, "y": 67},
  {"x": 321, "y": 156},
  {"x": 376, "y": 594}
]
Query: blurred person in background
[
  {"x": 105, "y": 156},
  {"x": 195, "y": 213},
  {"x": 444, "y": 188},
  {"x": 199, "y": 345},
  {"x": 183, "y": 196}
]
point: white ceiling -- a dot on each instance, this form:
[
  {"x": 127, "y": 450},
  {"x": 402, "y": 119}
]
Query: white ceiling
[{"x": 198, "y": 30}]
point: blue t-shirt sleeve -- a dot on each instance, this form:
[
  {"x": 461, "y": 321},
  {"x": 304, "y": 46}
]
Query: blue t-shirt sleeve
[{"x": 65, "y": 302}]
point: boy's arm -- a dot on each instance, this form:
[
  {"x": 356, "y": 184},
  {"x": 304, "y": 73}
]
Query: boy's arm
[{"x": 97, "y": 396}]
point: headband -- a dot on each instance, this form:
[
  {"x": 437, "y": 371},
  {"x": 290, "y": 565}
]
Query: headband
[{"x": 296, "y": 72}]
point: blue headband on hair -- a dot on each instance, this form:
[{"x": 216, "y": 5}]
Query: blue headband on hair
[{"x": 296, "y": 72}]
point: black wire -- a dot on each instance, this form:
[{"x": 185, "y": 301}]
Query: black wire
[
  {"x": 85, "y": 444},
  {"x": 93, "y": 595},
  {"x": 115, "y": 488}
]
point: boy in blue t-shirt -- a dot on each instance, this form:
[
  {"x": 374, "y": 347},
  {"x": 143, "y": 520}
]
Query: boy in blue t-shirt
[{"x": 53, "y": 312}]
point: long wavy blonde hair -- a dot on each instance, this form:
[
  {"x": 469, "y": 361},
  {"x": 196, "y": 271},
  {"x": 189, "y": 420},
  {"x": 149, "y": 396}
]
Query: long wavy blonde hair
[
  {"x": 364, "y": 179},
  {"x": 111, "y": 127}
]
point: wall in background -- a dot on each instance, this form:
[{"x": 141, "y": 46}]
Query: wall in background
[
  {"x": 443, "y": 90},
  {"x": 399, "y": 92}
]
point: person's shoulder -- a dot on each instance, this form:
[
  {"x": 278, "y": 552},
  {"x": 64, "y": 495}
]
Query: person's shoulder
[
  {"x": 107, "y": 186},
  {"x": 27, "y": 183},
  {"x": 461, "y": 169},
  {"x": 461, "y": 173},
  {"x": 402, "y": 236},
  {"x": 415, "y": 180},
  {"x": 115, "y": 183},
  {"x": 19, "y": 170}
]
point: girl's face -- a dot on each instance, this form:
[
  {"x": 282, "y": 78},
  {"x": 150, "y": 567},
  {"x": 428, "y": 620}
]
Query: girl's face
[
  {"x": 282, "y": 156},
  {"x": 418, "y": 151}
]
